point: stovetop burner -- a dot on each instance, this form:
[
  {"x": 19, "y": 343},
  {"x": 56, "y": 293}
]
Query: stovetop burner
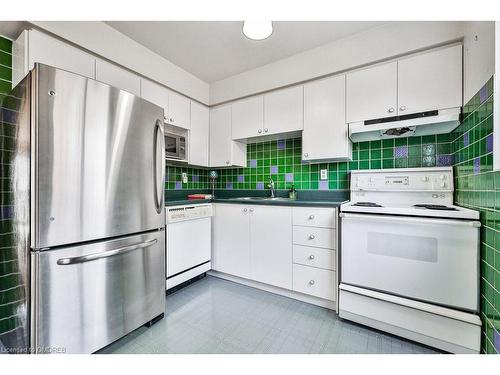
[
  {"x": 435, "y": 207},
  {"x": 367, "y": 204}
]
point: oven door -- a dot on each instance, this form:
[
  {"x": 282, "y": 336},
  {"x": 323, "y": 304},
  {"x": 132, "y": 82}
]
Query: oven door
[{"x": 427, "y": 259}]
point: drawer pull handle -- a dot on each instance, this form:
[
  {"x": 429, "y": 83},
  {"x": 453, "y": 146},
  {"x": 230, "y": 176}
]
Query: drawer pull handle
[
  {"x": 311, "y": 217},
  {"x": 311, "y": 236},
  {"x": 311, "y": 257},
  {"x": 311, "y": 282},
  {"x": 251, "y": 210}
]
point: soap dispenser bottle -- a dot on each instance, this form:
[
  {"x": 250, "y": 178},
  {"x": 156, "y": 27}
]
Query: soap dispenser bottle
[{"x": 292, "y": 194}]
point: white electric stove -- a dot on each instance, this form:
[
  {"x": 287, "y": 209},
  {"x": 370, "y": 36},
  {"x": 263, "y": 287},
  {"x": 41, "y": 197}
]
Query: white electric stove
[{"x": 410, "y": 258}]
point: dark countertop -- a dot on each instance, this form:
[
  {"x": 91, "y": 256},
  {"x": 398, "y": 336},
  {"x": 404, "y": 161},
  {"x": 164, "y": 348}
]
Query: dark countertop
[{"x": 306, "y": 198}]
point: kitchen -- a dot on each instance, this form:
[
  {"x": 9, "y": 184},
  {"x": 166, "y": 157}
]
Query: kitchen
[{"x": 275, "y": 201}]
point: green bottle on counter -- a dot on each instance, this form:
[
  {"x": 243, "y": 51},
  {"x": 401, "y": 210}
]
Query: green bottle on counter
[{"x": 292, "y": 194}]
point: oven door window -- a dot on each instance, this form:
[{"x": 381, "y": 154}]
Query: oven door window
[{"x": 433, "y": 260}]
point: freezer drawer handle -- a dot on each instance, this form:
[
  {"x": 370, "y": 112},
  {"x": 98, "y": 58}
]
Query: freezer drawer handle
[{"x": 105, "y": 254}]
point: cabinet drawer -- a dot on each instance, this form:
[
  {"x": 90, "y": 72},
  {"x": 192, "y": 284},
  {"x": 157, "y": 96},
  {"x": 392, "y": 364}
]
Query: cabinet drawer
[
  {"x": 314, "y": 217},
  {"x": 314, "y": 281},
  {"x": 314, "y": 257},
  {"x": 315, "y": 237}
]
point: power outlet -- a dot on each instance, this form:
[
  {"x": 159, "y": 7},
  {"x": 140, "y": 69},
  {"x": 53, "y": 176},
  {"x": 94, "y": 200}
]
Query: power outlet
[
  {"x": 184, "y": 178},
  {"x": 324, "y": 174}
]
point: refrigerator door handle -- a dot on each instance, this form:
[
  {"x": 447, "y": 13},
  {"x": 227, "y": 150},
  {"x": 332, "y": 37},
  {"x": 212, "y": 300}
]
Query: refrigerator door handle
[
  {"x": 105, "y": 254},
  {"x": 157, "y": 200}
]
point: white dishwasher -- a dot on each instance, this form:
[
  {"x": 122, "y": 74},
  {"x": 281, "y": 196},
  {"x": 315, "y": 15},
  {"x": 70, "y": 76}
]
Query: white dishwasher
[{"x": 189, "y": 242}]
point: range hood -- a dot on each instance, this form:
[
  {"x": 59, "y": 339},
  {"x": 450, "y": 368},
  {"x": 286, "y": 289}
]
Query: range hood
[{"x": 418, "y": 124}]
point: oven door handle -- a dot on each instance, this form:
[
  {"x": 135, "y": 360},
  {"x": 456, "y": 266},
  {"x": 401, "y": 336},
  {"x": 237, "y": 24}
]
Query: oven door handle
[{"x": 412, "y": 219}]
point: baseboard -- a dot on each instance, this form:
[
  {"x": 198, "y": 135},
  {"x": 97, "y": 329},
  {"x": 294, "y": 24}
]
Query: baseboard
[{"x": 331, "y": 305}]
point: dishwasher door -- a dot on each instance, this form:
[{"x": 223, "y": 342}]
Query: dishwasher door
[
  {"x": 87, "y": 296},
  {"x": 188, "y": 244}
]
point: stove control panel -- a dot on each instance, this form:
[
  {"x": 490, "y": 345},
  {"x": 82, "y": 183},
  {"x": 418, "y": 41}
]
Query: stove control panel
[{"x": 422, "y": 179}]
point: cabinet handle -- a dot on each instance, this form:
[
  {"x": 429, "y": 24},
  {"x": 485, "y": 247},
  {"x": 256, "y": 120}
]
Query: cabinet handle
[
  {"x": 260, "y": 131},
  {"x": 265, "y": 130},
  {"x": 245, "y": 210},
  {"x": 311, "y": 217},
  {"x": 251, "y": 210},
  {"x": 312, "y": 282},
  {"x": 227, "y": 162},
  {"x": 311, "y": 257},
  {"x": 171, "y": 119},
  {"x": 306, "y": 155},
  {"x": 311, "y": 236},
  {"x": 390, "y": 110},
  {"x": 165, "y": 118},
  {"x": 402, "y": 108}
]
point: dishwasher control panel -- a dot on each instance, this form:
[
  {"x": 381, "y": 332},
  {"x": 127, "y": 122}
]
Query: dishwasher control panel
[{"x": 188, "y": 212}]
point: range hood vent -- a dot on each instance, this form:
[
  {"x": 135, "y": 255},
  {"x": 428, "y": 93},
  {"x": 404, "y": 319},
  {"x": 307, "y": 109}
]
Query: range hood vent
[{"x": 418, "y": 124}]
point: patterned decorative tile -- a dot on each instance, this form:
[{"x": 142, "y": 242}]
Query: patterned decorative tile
[{"x": 401, "y": 152}]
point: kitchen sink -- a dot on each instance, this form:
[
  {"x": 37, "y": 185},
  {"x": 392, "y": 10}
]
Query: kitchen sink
[{"x": 261, "y": 199}]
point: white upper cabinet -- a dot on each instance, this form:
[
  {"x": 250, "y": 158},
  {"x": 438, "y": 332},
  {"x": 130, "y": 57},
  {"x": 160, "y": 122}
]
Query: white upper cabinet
[
  {"x": 430, "y": 81},
  {"x": 284, "y": 111},
  {"x": 325, "y": 134},
  {"x": 118, "y": 77},
  {"x": 372, "y": 92},
  {"x": 156, "y": 94},
  {"x": 35, "y": 47},
  {"x": 224, "y": 152},
  {"x": 248, "y": 117},
  {"x": 199, "y": 135},
  {"x": 179, "y": 110},
  {"x": 418, "y": 83}
]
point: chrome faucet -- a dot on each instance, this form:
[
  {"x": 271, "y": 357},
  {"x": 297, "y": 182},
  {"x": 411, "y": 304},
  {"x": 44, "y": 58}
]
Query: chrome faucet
[{"x": 271, "y": 187}]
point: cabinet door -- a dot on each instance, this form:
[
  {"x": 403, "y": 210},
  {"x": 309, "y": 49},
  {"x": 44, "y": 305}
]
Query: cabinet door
[
  {"x": 231, "y": 251},
  {"x": 284, "y": 111},
  {"x": 156, "y": 94},
  {"x": 220, "y": 136},
  {"x": 115, "y": 76},
  {"x": 199, "y": 135},
  {"x": 372, "y": 93},
  {"x": 325, "y": 133},
  {"x": 47, "y": 50},
  {"x": 248, "y": 117},
  {"x": 271, "y": 245},
  {"x": 430, "y": 81},
  {"x": 179, "y": 110}
]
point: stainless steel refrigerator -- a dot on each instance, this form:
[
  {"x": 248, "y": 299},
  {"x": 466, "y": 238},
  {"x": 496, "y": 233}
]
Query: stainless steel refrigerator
[{"x": 85, "y": 176}]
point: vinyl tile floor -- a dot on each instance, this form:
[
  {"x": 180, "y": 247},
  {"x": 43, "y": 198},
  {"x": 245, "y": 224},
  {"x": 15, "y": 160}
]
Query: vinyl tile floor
[{"x": 218, "y": 316}]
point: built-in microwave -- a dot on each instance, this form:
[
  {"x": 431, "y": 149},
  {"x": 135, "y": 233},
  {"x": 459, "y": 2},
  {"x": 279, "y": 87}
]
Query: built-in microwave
[{"x": 175, "y": 146}]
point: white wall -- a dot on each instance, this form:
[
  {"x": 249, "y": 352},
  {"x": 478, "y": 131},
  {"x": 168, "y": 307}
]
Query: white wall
[
  {"x": 479, "y": 56},
  {"x": 376, "y": 44},
  {"x": 105, "y": 41}
]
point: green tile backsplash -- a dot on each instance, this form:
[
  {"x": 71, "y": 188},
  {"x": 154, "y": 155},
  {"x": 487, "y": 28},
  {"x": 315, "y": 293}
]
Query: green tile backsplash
[
  {"x": 10, "y": 280},
  {"x": 281, "y": 160},
  {"x": 477, "y": 187}
]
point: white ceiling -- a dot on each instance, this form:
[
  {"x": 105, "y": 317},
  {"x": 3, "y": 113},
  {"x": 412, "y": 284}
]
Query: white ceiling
[{"x": 214, "y": 50}]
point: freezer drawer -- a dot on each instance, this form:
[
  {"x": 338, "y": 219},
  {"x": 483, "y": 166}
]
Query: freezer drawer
[
  {"x": 427, "y": 259},
  {"x": 86, "y": 297}
]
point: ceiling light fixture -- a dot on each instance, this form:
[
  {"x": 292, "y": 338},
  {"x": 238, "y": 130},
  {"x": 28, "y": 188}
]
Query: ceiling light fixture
[{"x": 257, "y": 30}]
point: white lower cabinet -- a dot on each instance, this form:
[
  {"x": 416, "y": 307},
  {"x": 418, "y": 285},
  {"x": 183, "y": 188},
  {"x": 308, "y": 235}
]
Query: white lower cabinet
[
  {"x": 271, "y": 245},
  {"x": 254, "y": 242},
  {"x": 231, "y": 250},
  {"x": 261, "y": 243},
  {"x": 314, "y": 281}
]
